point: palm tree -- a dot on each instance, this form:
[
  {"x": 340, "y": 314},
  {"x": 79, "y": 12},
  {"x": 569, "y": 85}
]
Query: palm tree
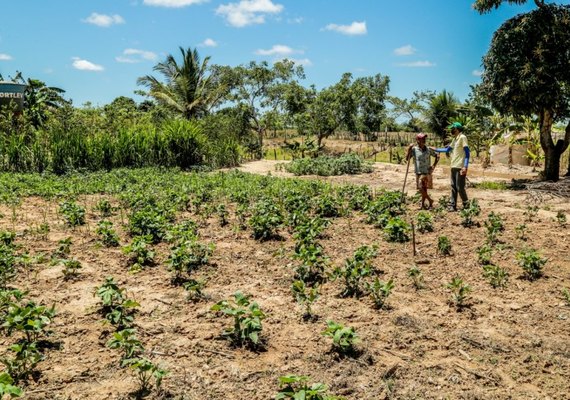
[
  {"x": 40, "y": 100},
  {"x": 442, "y": 108},
  {"x": 187, "y": 91}
]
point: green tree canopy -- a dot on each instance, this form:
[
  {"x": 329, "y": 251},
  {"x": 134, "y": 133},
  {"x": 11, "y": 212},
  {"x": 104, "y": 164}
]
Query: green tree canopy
[{"x": 527, "y": 71}]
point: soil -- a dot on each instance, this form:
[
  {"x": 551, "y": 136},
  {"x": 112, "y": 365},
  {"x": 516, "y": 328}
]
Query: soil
[{"x": 509, "y": 343}]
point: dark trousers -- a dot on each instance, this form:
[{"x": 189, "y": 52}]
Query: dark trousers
[{"x": 457, "y": 186}]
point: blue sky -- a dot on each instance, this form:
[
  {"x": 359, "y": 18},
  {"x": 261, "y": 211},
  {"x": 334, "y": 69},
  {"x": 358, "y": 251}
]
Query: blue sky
[{"x": 96, "y": 49}]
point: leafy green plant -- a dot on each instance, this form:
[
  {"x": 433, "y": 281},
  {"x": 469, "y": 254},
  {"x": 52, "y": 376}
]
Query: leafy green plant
[
  {"x": 424, "y": 221},
  {"x": 194, "y": 289},
  {"x": 187, "y": 257},
  {"x": 348, "y": 163},
  {"x": 266, "y": 218},
  {"x": 7, "y": 265},
  {"x": 305, "y": 296},
  {"x": 313, "y": 262},
  {"x": 145, "y": 370},
  {"x": 459, "y": 292},
  {"x": 139, "y": 252},
  {"x": 484, "y": 254},
  {"x": 149, "y": 221},
  {"x": 184, "y": 231},
  {"x": 104, "y": 207},
  {"x": 397, "y": 230},
  {"x": 126, "y": 341},
  {"x": 327, "y": 206},
  {"x": 28, "y": 318},
  {"x": 116, "y": 307},
  {"x": 444, "y": 246},
  {"x": 296, "y": 387},
  {"x": 417, "y": 277},
  {"x": 247, "y": 319},
  {"x": 63, "y": 249},
  {"x": 495, "y": 226},
  {"x": 379, "y": 291},
  {"x": 107, "y": 234},
  {"x": 344, "y": 338},
  {"x": 496, "y": 275},
  {"x": 24, "y": 360},
  {"x": 469, "y": 213},
  {"x": 222, "y": 213},
  {"x": 7, "y": 387},
  {"x": 71, "y": 268},
  {"x": 530, "y": 213},
  {"x": 531, "y": 262},
  {"x": 355, "y": 269},
  {"x": 73, "y": 214},
  {"x": 7, "y": 238}
]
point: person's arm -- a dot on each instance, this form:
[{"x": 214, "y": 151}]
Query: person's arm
[
  {"x": 445, "y": 149},
  {"x": 466, "y": 160},
  {"x": 409, "y": 154}
]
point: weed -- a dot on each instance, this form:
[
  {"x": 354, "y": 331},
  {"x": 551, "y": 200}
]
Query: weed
[
  {"x": 344, "y": 337},
  {"x": 145, "y": 370},
  {"x": 443, "y": 246},
  {"x": 531, "y": 262},
  {"x": 459, "y": 292},
  {"x": 247, "y": 319}
]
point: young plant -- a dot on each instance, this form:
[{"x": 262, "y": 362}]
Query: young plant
[
  {"x": 187, "y": 257},
  {"x": 195, "y": 290},
  {"x": 247, "y": 319},
  {"x": 417, "y": 277},
  {"x": 561, "y": 218},
  {"x": 397, "y": 230},
  {"x": 126, "y": 341},
  {"x": 344, "y": 337},
  {"x": 531, "y": 262},
  {"x": 469, "y": 213},
  {"x": 305, "y": 296},
  {"x": 521, "y": 231},
  {"x": 379, "y": 291},
  {"x": 495, "y": 226},
  {"x": 73, "y": 214},
  {"x": 29, "y": 318},
  {"x": 145, "y": 370},
  {"x": 443, "y": 246},
  {"x": 222, "y": 214},
  {"x": 7, "y": 265},
  {"x": 424, "y": 221},
  {"x": 530, "y": 213},
  {"x": 63, "y": 249},
  {"x": 24, "y": 360},
  {"x": 355, "y": 269},
  {"x": 566, "y": 296},
  {"x": 117, "y": 308},
  {"x": 313, "y": 262},
  {"x": 107, "y": 234},
  {"x": 459, "y": 292},
  {"x": 139, "y": 252},
  {"x": 484, "y": 254},
  {"x": 7, "y": 387},
  {"x": 265, "y": 220},
  {"x": 296, "y": 387},
  {"x": 104, "y": 207},
  {"x": 496, "y": 275},
  {"x": 71, "y": 268}
]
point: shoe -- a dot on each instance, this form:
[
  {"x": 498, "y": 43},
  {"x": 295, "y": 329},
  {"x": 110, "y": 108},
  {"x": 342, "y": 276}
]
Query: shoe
[{"x": 451, "y": 209}]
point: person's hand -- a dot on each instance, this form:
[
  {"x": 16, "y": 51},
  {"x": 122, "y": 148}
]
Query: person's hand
[{"x": 463, "y": 171}]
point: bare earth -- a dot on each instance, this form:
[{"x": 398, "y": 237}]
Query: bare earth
[{"x": 511, "y": 343}]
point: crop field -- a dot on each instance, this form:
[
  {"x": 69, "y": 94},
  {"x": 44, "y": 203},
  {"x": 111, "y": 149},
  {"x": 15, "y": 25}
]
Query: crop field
[{"x": 162, "y": 284}]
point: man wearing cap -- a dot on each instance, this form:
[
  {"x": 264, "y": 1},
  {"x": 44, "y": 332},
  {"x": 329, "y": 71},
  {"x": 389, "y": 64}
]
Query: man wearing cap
[
  {"x": 458, "y": 150},
  {"x": 422, "y": 164}
]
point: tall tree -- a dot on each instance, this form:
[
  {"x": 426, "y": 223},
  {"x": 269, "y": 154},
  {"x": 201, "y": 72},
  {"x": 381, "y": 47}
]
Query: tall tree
[
  {"x": 371, "y": 93},
  {"x": 188, "y": 90},
  {"x": 527, "y": 71}
]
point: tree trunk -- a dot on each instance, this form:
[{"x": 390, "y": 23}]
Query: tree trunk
[{"x": 552, "y": 152}]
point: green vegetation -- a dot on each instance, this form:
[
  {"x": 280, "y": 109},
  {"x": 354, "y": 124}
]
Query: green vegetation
[
  {"x": 531, "y": 262},
  {"x": 346, "y": 164},
  {"x": 344, "y": 338},
  {"x": 459, "y": 292},
  {"x": 296, "y": 387}
]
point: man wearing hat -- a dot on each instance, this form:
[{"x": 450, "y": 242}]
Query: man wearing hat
[
  {"x": 422, "y": 164},
  {"x": 458, "y": 150}
]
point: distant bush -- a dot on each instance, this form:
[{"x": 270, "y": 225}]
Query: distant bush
[{"x": 348, "y": 164}]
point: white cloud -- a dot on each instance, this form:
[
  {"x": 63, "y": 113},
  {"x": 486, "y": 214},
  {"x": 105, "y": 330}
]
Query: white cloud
[
  {"x": 356, "y": 28},
  {"x": 85, "y": 65},
  {"x": 173, "y": 3},
  {"x": 103, "y": 20},
  {"x": 277, "y": 50},
  {"x": 209, "y": 43},
  {"x": 248, "y": 12},
  {"x": 5, "y": 57},
  {"x": 417, "y": 64},
  {"x": 476, "y": 72},
  {"x": 305, "y": 62},
  {"x": 407, "y": 50},
  {"x": 135, "y": 55}
]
